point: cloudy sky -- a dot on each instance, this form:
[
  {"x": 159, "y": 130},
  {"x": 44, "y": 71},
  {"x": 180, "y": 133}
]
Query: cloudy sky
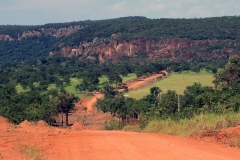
[{"x": 37, "y": 12}]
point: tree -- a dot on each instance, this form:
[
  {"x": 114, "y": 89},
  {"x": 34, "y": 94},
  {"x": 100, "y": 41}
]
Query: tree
[
  {"x": 114, "y": 78},
  {"x": 90, "y": 82},
  {"x": 169, "y": 103},
  {"x": 230, "y": 75},
  {"x": 7, "y": 91},
  {"x": 108, "y": 90},
  {"x": 190, "y": 94},
  {"x": 66, "y": 103},
  {"x": 80, "y": 88},
  {"x": 155, "y": 91}
]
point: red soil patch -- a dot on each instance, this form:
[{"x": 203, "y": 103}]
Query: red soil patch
[
  {"x": 25, "y": 124},
  {"x": 78, "y": 126},
  {"x": 42, "y": 124},
  {"x": 227, "y": 136},
  {"x": 4, "y": 124}
]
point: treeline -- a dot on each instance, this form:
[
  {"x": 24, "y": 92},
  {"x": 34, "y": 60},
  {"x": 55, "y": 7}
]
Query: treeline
[
  {"x": 197, "y": 99},
  {"x": 15, "y": 30},
  {"x": 34, "y": 105},
  {"x": 195, "y": 29},
  {"x": 58, "y": 71}
]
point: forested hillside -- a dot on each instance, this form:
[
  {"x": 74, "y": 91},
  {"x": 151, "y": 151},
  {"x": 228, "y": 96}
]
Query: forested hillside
[
  {"x": 213, "y": 38},
  {"x": 174, "y": 39},
  {"x": 194, "y": 29},
  {"x": 20, "y": 43}
]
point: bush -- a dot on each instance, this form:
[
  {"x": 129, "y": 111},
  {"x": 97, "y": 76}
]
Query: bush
[
  {"x": 112, "y": 125},
  {"x": 131, "y": 128},
  {"x": 195, "y": 125}
]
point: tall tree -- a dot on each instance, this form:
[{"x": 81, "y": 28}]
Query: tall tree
[
  {"x": 230, "y": 75},
  {"x": 169, "y": 103},
  {"x": 66, "y": 103}
]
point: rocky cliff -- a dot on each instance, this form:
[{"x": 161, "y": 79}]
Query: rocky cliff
[
  {"x": 6, "y": 38},
  {"x": 173, "y": 49},
  {"x": 43, "y": 32}
]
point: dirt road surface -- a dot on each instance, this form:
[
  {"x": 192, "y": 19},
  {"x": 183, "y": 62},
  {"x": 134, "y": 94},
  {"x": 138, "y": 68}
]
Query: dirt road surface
[
  {"x": 106, "y": 145},
  {"x": 88, "y": 102},
  {"x": 143, "y": 82}
]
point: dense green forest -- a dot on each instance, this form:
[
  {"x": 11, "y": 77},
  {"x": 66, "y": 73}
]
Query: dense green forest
[
  {"x": 194, "y": 29},
  {"x": 26, "y": 49}
]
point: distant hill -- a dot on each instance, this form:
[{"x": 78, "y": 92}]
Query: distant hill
[
  {"x": 174, "y": 39},
  {"x": 213, "y": 38},
  {"x": 19, "y": 43}
]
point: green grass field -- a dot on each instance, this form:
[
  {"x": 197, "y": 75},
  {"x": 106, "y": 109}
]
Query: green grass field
[
  {"x": 128, "y": 77},
  {"x": 74, "y": 81},
  {"x": 177, "y": 82},
  {"x": 124, "y": 78}
]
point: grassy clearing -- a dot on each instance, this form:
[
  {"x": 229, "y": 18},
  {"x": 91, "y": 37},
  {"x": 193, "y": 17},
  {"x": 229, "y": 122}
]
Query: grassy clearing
[
  {"x": 128, "y": 77},
  {"x": 74, "y": 81},
  {"x": 103, "y": 79},
  {"x": 177, "y": 82},
  {"x": 20, "y": 89},
  {"x": 33, "y": 153},
  {"x": 70, "y": 88},
  {"x": 196, "y": 125},
  {"x": 124, "y": 78}
]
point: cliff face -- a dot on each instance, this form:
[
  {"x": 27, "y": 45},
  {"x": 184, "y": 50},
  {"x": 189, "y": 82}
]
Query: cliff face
[
  {"x": 43, "y": 32},
  {"x": 173, "y": 49},
  {"x": 6, "y": 38}
]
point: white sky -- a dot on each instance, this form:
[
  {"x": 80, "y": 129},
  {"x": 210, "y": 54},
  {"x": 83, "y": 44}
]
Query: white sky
[{"x": 38, "y": 12}]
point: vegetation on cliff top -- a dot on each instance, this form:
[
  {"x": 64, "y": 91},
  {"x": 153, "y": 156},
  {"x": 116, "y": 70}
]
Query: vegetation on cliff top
[
  {"x": 34, "y": 47},
  {"x": 220, "y": 28},
  {"x": 194, "y": 29}
]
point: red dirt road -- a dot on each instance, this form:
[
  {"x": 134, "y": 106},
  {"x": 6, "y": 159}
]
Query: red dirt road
[
  {"x": 143, "y": 82},
  {"x": 88, "y": 102},
  {"x": 106, "y": 145}
]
